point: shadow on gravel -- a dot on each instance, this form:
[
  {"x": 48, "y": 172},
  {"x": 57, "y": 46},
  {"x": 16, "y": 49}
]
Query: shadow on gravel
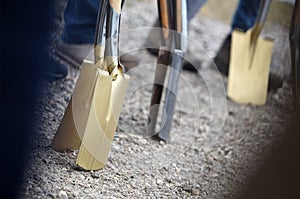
[{"x": 279, "y": 176}]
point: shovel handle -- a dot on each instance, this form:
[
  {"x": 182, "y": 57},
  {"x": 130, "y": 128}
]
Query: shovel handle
[
  {"x": 163, "y": 60},
  {"x": 181, "y": 24},
  {"x": 261, "y": 18},
  {"x": 100, "y": 31},
  {"x": 116, "y": 5},
  {"x": 111, "y": 52},
  {"x": 165, "y": 19}
]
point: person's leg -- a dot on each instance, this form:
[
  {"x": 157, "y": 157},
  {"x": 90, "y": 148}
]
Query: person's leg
[
  {"x": 78, "y": 35},
  {"x": 52, "y": 70},
  {"x": 153, "y": 40},
  {"x": 245, "y": 15},
  {"x": 193, "y": 6},
  {"x": 80, "y": 21},
  {"x": 243, "y": 19}
]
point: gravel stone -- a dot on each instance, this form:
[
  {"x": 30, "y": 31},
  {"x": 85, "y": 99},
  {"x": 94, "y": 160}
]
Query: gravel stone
[
  {"x": 63, "y": 195},
  {"x": 95, "y": 175}
]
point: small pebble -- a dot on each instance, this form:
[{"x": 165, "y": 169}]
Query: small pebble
[
  {"x": 194, "y": 191},
  {"x": 187, "y": 188},
  {"x": 68, "y": 188},
  {"x": 231, "y": 113},
  {"x": 62, "y": 194},
  {"x": 95, "y": 175},
  {"x": 161, "y": 142},
  {"x": 159, "y": 182},
  {"x": 81, "y": 177}
]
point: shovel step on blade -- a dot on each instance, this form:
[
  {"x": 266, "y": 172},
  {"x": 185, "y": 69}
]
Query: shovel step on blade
[
  {"x": 248, "y": 73},
  {"x": 102, "y": 120}
]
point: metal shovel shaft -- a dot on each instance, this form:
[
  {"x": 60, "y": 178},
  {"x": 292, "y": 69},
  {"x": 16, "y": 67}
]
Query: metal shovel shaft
[
  {"x": 163, "y": 61},
  {"x": 260, "y": 20},
  {"x": 171, "y": 95},
  {"x": 179, "y": 23},
  {"x": 100, "y": 31}
]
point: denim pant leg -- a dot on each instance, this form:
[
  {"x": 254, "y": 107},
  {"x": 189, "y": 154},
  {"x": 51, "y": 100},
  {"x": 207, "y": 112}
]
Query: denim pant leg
[
  {"x": 80, "y": 21},
  {"x": 245, "y": 15},
  {"x": 81, "y": 15},
  {"x": 193, "y": 6}
]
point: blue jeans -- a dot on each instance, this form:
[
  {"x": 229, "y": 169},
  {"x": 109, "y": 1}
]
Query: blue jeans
[
  {"x": 80, "y": 21},
  {"x": 80, "y": 18},
  {"x": 245, "y": 14}
]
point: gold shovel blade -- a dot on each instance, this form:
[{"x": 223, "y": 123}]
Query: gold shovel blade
[
  {"x": 249, "y": 73},
  {"x": 72, "y": 126},
  {"x": 102, "y": 121}
]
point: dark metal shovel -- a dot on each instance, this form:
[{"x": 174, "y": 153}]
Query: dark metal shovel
[{"x": 175, "y": 18}]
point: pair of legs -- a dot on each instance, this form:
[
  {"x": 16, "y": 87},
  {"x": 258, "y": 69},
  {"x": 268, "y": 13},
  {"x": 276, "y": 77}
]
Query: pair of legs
[
  {"x": 81, "y": 15},
  {"x": 80, "y": 21}
]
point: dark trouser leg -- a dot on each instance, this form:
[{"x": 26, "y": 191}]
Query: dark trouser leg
[{"x": 80, "y": 21}]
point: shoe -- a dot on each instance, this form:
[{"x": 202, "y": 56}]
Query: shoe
[
  {"x": 222, "y": 58},
  {"x": 75, "y": 54},
  {"x": 275, "y": 82},
  {"x": 53, "y": 70},
  {"x": 129, "y": 61},
  {"x": 189, "y": 66},
  {"x": 153, "y": 41}
]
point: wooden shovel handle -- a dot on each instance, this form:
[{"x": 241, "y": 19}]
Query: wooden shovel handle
[
  {"x": 258, "y": 26},
  {"x": 111, "y": 53},
  {"x": 261, "y": 18},
  {"x": 164, "y": 16},
  {"x": 178, "y": 16},
  {"x": 116, "y": 5},
  {"x": 99, "y": 34},
  {"x": 180, "y": 24}
]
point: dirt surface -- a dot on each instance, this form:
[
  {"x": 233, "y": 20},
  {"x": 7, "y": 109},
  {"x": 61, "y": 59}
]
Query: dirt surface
[{"x": 215, "y": 146}]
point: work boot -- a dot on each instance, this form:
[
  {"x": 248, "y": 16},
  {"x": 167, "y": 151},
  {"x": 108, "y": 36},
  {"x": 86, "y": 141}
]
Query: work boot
[
  {"x": 75, "y": 54},
  {"x": 53, "y": 70},
  {"x": 154, "y": 39},
  {"x": 222, "y": 58}
]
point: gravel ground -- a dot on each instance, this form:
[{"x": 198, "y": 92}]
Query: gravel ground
[{"x": 215, "y": 145}]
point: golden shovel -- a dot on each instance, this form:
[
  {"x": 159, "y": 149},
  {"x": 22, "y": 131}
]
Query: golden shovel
[
  {"x": 250, "y": 59},
  {"x": 92, "y": 115}
]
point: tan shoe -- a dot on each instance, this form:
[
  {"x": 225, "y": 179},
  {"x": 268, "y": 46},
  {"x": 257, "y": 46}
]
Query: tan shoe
[{"x": 75, "y": 54}]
